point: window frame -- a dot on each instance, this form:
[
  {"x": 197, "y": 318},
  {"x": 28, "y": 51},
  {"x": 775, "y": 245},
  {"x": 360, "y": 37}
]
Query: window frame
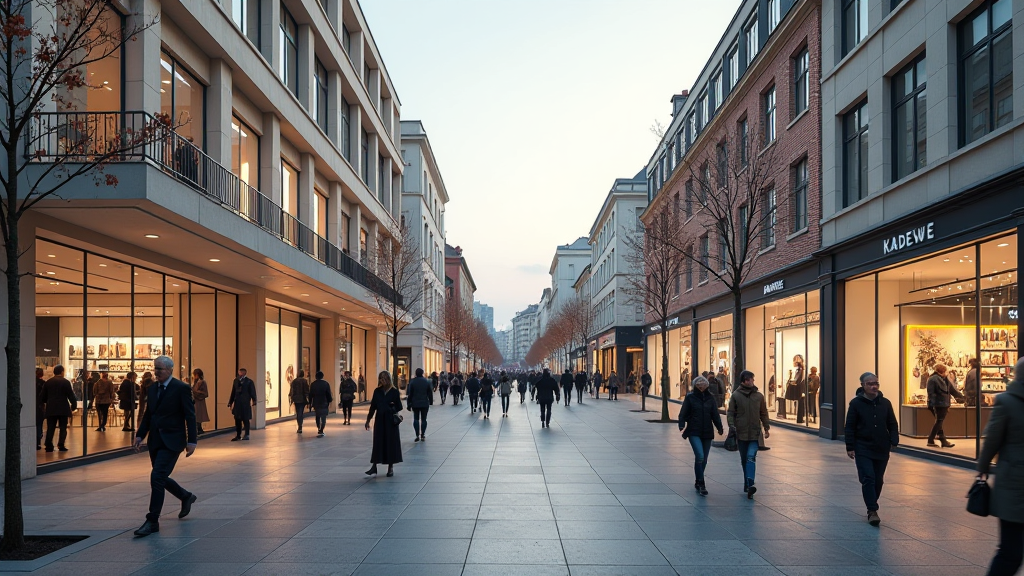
[
  {"x": 769, "y": 103},
  {"x": 963, "y": 54},
  {"x": 861, "y": 23},
  {"x": 801, "y": 81},
  {"x": 289, "y": 40},
  {"x": 769, "y": 204},
  {"x": 910, "y": 100},
  {"x": 321, "y": 95},
  {"x": 798, "y": 210},
  {"x": 751, "y": 40},
  {"x": 705, "y": 257},
  {"x": 774, "y": 15},
  {"x": 849, "y": 138},
  {"x": 743, "y": 135}
]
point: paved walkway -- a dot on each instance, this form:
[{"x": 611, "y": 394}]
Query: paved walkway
[{"x": 601, "y": 492}]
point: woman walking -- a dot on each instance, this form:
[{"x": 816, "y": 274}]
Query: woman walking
[
  {"x": 698, "y": 420},
  {"x": 200, "y": 392},
  {"x": 456, "y": 389},
  {"x": 103, "y": 397},
  {"x": 505, "y": 390},
  {"x": 127, "y": 395},
  {"x": 940, "y": 389},
  {"x": 486, "y": 394},
  {"x": 387, "y": 443},
  {"x": 613, "y": 386},
  {"x": 521, "y": 387}
]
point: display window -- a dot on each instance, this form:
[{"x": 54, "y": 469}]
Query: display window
[
  {"x": 714, "y": 346},
  {"x": 291, "y": 345}
]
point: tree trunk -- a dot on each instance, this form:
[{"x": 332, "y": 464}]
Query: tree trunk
[
  {"x": 14, "y": 520},
  {"x": 394, "y": 358},
  {"x": 664, "y": 372},
  {"x": 738, "y": 363}
]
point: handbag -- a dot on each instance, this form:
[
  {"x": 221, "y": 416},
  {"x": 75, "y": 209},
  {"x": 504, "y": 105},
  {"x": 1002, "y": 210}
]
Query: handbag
[
  {"x": 731, "y": 444},
  {"x": 979, "y": 497},
  {"x": 397, "y": 419}
]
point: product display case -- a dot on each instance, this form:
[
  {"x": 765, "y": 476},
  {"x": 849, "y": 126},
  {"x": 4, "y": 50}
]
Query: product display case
[{"x": 114, "y": 354}]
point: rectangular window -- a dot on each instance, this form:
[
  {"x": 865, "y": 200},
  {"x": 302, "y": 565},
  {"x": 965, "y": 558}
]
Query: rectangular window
[
  {"x": 722, "y": 154},
  {"x": 691, "y": 130},
  {"x": 289, "y": 188},
  {"x": 742, "y": 136},
  {"x": 705, "y": 184},
  {"x": 346, "y": 227},
  {"x": 734, "y": 67},
  {"x": 689, "y": 268},
  {"x": 321, "y": 95},
  {"x": 689, "y": 198},
  {"x": 245, "y": 153},
  {"x": 769, "y": 116},
  {"x": 702, "y": 111},
  {"x": 381, "y": 178},
  {"x": 246, "y": 14},
  {"x": 799, "y": 211},
  {"x": 365, "y": 150},
  {"x": 909, "y": 123},
  {"x": 986, "y": 70},
  {"x": 855, "y": 155},
  {"x": 705, "y": 256},
  {"x": 723, "y": 243},
  {"x": 182, "y": 99},
  {"x": 289, "y": 51},
  {"x": 346, "y": 40},
  {"x": 675, "y": 206},
  {"x": 750, "y": 34},
  {"x": 719, "y": 91},
  {"x": 319, "y": 216},
  {"x": 771, "y": 215},
  {"x": 744, "y": 216},
  {"x": 774, "y": 14},
  {"x": 801, "y": 82},
  {"x": 346, "y": 137},
  {"x": 855, "y": 23}
]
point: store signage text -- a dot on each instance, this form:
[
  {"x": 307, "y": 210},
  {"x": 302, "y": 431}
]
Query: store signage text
[
  {"x": 774, "y": 286},
  {"x": 909, "y": 238},
  {"x": 673, "y": 321},
  {"x": 1012, "y": 314}
]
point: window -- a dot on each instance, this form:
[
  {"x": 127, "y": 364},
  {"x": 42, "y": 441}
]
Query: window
[
  {"x": 675, "y": 206},
  {"x": 705, "y": 183},
  {"x": 750, "y": 34},
  {"x": 181, "y": 98},
  {"x": 855, "y": 155},
  {"x": 744, "y": 217},
  {"x": 723, "y": 243},
  {"x": 774, "y": 15},
  {"x": 741, "y": 135},
  {"x": 319, "y": 213},
  {"x": 689, "y": 198},
  {"x": 689, "y": 268},
  {"x": 289, "y": 51},
  {"x": 769, "y": 116},
  {"x": 346, "y": 39},
  {"x": 245, "y": 153},
  {"x": 799, "y": 210},
  {"x": 734, "y": 67},
  {"x": 365, "y": 150},
  {"x": 289, "y": 188},
  {"x": 722, "y": 155},
  {"x": 346, "y": 137},
  {"x": 705, "y": 257},
  {"x": 346, "y": 228},
  {"x": 801, "y": 82},
  {"x": 639, "y": 225},
  {"x": 320, "y": 96},
  {"x": 691, "y": 130},
  {"x": 986, "y": 69},
  {"x": 702, "y": 111},
  {"x": 771, "y": 214},
  {"x": 246, "y": 14},
  {"x": 719, "y": 90},
  {"x": 909, "y": 123},
  {"x": 855, "y": 23},
  {"x": 381, "y": 178}
]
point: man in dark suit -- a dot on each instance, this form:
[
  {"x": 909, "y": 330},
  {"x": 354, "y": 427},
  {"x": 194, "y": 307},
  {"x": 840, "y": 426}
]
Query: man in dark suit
[
  {"x": 320, "y": 398},
  {"x": 420, "y": 397},
  {"x": 171, "y": 414},
  {"x": 40, "y": 408},
  {"x": 60, "y": 402},
  {"x": 547, "y": 393}
]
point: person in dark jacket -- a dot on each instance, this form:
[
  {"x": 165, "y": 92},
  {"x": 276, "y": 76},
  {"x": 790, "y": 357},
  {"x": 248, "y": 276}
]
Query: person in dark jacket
[
  {"x": 103, "y": 397},
  {"x": 645, "y": 382},
  {"x": 940, "y": 389},
  {"x": 455, "y": 388},
  {"x": 566, "y": 382},
  {"x": 581, "y": 385},
  {"x": 717, "y": 388},
  {"x": 241, "y": 401},
  {"x": 41, "y": 409},
  {"x": 1004, "y": 435},
  {"x": 547, "y": 394},
  {"x": 419, "y": 399},
  {"x": 473, "y": 389},
  {"x": 486, "y": 395},
  {"x": 347, "y": 394},
  {"x": 613, "y": 386},
  {"x": 971, "y": 383},
  {"x": 320, "y": 399},
  {"x": 298, "y": 394},
  {"x": 127, "y": 396},
  {"x": 597, "y": 380},
  {"x": 871, "y": 431},
  {"x": 60, "y": 401},
  {"x": 442, "y": 387},
  {"x": 521, "y": 386},
  {"x": 387, "y": 443},
  {"x": 698, "y": 420}
]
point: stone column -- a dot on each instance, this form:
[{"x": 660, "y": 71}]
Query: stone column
[
  {"x": 270, "y": 33},
  {"x": 334, "y": 108},
  {"x": 270, "y": 158},
  {"x": 306, "y": 65},
  {"x": 307, "y": 171},
  {"x": 218, "y": 117},
  {"x": 142, "y": 60},
  {"x": 353, "y": 231},
  {"x": 334, "y": 219}
]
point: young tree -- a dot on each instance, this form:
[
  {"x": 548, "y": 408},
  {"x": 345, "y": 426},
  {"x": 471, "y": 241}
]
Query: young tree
[
  {"x": 48, "y": 46},
  {"x": 398, "y": 263},
  {"x": 580, "y": 311},
  {"x": 655, "y": 271}
]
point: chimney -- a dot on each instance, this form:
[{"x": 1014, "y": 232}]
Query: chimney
[{"x": 678, "y": 100}]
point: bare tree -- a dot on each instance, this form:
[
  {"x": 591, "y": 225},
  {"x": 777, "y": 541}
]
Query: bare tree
[
  {"x": 398, "y": 263},
  {"x": 454, "y": 323},
  {"x": 580, "y": 314},
  {"x": 47, "y": 47},
  {"x": 655, "y": 270}
]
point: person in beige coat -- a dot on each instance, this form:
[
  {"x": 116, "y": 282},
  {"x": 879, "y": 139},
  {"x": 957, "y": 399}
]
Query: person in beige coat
[
  {"x": 747, "y": 414},
  {"x": 1004, "y": 436},
  {"x": 103, "y": 397},
  {"x": 200, "y": 392}
]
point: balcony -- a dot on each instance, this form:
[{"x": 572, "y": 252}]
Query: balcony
[{"x": 118, "y": 137}]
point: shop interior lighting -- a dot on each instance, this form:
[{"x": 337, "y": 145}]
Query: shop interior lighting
[
  {"x": 151, "y": 236},
  {"x": 51, "y": 255},
  {"x": 214, "y": 259},
  {"x": 1003, "y": 245}
]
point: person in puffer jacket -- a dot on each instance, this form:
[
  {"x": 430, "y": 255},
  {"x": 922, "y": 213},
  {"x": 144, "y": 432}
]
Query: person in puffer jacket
[
  {"x": 871, "y": 431},
  {"x": 698, "y": 420},
  {"x": 504, "y": 390}
]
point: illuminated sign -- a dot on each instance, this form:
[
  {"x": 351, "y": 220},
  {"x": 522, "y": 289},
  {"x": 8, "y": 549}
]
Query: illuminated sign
[
  {"x": 909, "y": 238},
  {"x": 774, "y": 287}
]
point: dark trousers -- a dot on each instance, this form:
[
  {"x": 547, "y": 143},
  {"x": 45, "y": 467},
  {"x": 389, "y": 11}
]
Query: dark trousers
[
  {"x": 129, "y": 419},
  {"x": 533, "y": 393},
  {"x": 801, "y": 409},
  {"x": 239, "y": 424},
  {"x": 870, "y": 471},
  {"x": 485, "y": 404},
  {"x": 522, "y": 397},
  {"x": 419, "y": 420},
  {"x": 613, "y": 393},
  {"x": 163, "y": 460},
  {"x": 812, "y": 404},
  {"x": 545, "y": 412},
  {"x": 1010, "y": 554},
  {"x": 782, "y": 407},
  {"x": 701, "y": 450},
  {"x": 444, "y": 394},
  {"x": 748, "y": 461},
  {"x": 579, "y": 395},
  {"x": 346, "y": 409},
  {"x": 504, "y": 403},
  {"x": 300, "y": 414},
  {"x": 51, "y": 426},
  {"x": 568, "y": 395},
  {"x": 597, "y": 391},
  {"x": 940, "y": 416},
  {"x": 39, "y": 429},
  {"x": 102, "y": 414},
  {"x": 474, "y": 401},
  {"x": 321, "y": 418}
]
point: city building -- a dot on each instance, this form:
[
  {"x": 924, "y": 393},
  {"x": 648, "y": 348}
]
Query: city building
[
  {"x": 485, "y": 314},
  {"x": 617, "y": 339},
  {"x": 505, "y": 341},
  {"x": 581, "y": 359},
  {"x": 246, "y": 238},
  {"x": 566, "y": 266},
  {"x": 525, "y": 331},
  {"x": 424, "y": 197},
  {"x": 459, "y": 287}
]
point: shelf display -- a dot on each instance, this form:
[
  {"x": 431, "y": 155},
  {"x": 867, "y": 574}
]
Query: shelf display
[
  {"x": 110, "y": 353},
  {"x": 954, "y": 346}
]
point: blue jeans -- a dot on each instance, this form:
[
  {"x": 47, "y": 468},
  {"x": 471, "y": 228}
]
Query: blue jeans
[
  {"x": 485, "y": 405},
  {"x": 504, "y": 403},
  {"x": 419, "y": 420},
  {"x": 701, "y": 451},
  {"x": 748, "y": 461}
]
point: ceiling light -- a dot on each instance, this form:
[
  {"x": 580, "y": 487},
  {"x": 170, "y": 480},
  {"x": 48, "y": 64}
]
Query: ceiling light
[
  {"x": 175, "y": 284},
  {"x": 103, "y": 265},
  {"x": 1003, "y": 245},
  {"x": 214, "y": 259},
  {"x": 304, "y": 294},
  {"x": 51, "y": 273},
  {"x": 51, "y": 255},
  {"x": 151, "y": 236},
  {"x": 945, "y": 260},
  {"x": 324, "y": 302},
  {"x": 54, "y": 283}
]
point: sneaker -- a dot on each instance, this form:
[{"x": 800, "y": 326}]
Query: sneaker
[
  {"x": 417, "y": 439},
  {"x": 423, "y": 438},
  {"x": 703, "y": 489},
  {"x": 750, "y": 491},
  {"x": 299, "y": 431},
  {"x": 873, "y": 518},
  {"x": 320, "y": 435}
]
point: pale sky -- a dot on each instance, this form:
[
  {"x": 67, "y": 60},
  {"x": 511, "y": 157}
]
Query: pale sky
[{"x": 533, "y": 108}]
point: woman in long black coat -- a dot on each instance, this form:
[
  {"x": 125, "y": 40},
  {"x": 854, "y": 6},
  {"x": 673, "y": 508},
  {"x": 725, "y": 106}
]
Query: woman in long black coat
[{"x": 387, "y": 443}]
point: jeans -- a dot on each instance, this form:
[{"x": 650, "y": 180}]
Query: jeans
[
  {"x": 485, "y": 404},
  {"x": 300, "y": 413},
  {"x": 163, "y": 460},
  {"x": 579, "y": 395},
  {"x": 748, "y": 461},
  {"x": 444, "y": 394},
  {"x": 346, "y": 409},
  {"x": 1010, "y": 554},
  {"x": 238, "y": 427},
  {"x": 940, "y": 416},
  {"x": 504, "y": 403},
  {"x": 522, "y": 396},
  {"x": 701, "y": 451},
  {"x": 545, "y": 412},
  {"x": 870, "y": 473},
  {"x": 419, "y": 420},
  {"x": 474, "y": 401},
  {"x": 52, "y": 422},
  {"x": 102, "y": 413},
  {"x": 321, "y": 419},
  {"x": 568, "y": 395}
]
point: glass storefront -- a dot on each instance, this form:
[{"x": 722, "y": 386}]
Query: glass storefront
[
  {"x": 292, "y": 344},
  {"x": 102, "y": 318},
  {"x": 948, "y": 309}
]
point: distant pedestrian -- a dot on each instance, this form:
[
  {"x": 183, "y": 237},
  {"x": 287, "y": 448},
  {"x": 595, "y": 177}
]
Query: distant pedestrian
[
  {"x": 127, "y": 396},
  {"x": 200, "y": 392},
  {"x": 698, "y": 420},
  {"x": 871, "y": 431},
  {"x": 347, "y": 394},
  {"x": 1004, "y": 436},
  {"x": 442, "y": 387},
  {"x": 60, "y": 401},
  {"x": 613, "y": 386},
  {"x": 566, "y": 382},
  {"x": 298, "y": 395},
  {"x": 504, "y": 390},
  {"x": 646, "y": 381},
  {"x": 103, "y": 397},
  {"x": 419, "y": 398},
  {"x": 456, "y": 389},
  {"x": 597, "y": 380},
  {"x": 486, "y": 395},
  {"x": 387, "y": 443},
  {"x": 473, "y": 389},
  {"x": 581, "y": 385},
  {"x": 747, "y": 414},
  {"x": 631, "y": 383},
  {"x": 547, "y": 394},
  {"x": 320, "y": 399},
  {"x": 41, "y": 409},
  {"x": 361, "y": 387},
  {"x": 813, "y": 386},
  {"x": 532, "y": 380},
  {"x": 716, "y": 387},
  {"x": 521, "y": 386},
  {"x": 940, "y": 391},
  {"x": 241, "y": 401}
]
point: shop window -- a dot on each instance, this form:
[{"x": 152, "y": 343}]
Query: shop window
[
  {"x": 801, "y": 82},
  {"x": 246, "y": 14},
  {"x": 768, "y": 101},
  {"x": 799, "y": 198},
  {"x": 289, "y": 51},
  {"x": 768, "y": 205},
  {"x": 910, "y": 133},
  {"x": 986, "y": 70},
  {"x": 855, "y": 23},
  {"x": 855, "y": 155},
  {"x": 321, "y": 95},
  {"x": 784, "y": 337}
]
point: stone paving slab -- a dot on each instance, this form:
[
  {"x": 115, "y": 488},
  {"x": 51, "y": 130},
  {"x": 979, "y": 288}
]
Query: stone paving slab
[{"x": 600, "y": 492}]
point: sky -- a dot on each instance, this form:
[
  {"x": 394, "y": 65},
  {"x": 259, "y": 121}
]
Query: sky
[{"x": 533, "y": 108}]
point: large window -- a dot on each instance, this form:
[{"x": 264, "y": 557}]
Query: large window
[
  {"x": 799, "y": 207},
  {"x": 855, "y": 23},
  {"x": 289, "y": 51},
  {"x": 289, "y": 188},
  {"x": 245, "y": 164},
  {"x": 801, "y": 82},
  {"x": 321, "y": 96},
  {"x": 855, "y": 155},
  {"x": 181, "y": 98},
  {"x": 689, "y": 198},
  {"x": 742, "y": 136},
  {"x": 774, "y": 14},
  {"x": 909, "y": 130},
  {"x": 365, "y": 149},
  {"x": 689, "y": 268},
  {"x": 770, "y": 208},
  {"x": 986, "y": 70},
  {"x": 346, "y": 137},
  {"x": 750, "y": 37},
  {"x": 719, "y": 90},
  {"x": 246, "y": 14},
  {"x": 769, "y": 116},
  {"x": 705, "y": 257},
  {"x": 722, "y": 154}
]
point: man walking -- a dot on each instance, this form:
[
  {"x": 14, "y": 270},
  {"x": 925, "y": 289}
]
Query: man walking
[
  {"x": 597, "y": 384},
  {"x": 320, "y": 399},
  {"x": 581, "y": 385},
  {"x": 171, "y": 414},
  {"x": 241, "y": 401},
  {"x": 348, "y": 395},
  {"x": 299, "y": 396},
  {"x": 547, "y": 394},
  {"x": 871, "y": 430},
  {"x": 60, "y": 401},
  {"x": 420, "y": 398},
  {"x": 566, "y": 382},
  {"x": 645, "y": 382},
  {"x": 747, "y": 414},
  {"x": 473, "y": 389}
]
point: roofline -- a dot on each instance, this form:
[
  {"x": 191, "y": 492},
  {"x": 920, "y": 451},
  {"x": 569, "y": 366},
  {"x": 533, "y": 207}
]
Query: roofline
[{"x": 430, "y": 152}]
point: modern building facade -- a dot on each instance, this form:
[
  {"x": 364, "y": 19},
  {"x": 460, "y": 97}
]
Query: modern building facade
[
  {"x": 525, "y": 331},
  {"x": 485, "y": 314},
  {"x": 566, "y": 265},
  {"x": 246, "y": 238},
  {"x": 460, "y": 287}
]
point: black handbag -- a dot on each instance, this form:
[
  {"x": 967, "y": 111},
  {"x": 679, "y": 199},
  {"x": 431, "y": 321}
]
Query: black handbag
[
  {"x": 397, "y": 419},
  {"x": 979, "y": 497},
  {"x": 731, "y": 443}
]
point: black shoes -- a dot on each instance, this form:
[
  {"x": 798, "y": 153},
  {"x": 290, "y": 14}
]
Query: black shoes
[
  {"x": 236, "y": 438},
  {"x": 147, "y": 528},
  {"x": 186, "y": 505},
  {"x": 372, "y": 471},
  {"x": 700, "y": 487},
  {"x": 61, "y": 449},
  {"x": 246, "y": 437},
  {"x": 390, "y": 473},
  {"x": 417, "y": 439},
  {"x": 947, "y": 444},
  {"x": 750, "y": 491},
  {"x": 873, "y": 518}
]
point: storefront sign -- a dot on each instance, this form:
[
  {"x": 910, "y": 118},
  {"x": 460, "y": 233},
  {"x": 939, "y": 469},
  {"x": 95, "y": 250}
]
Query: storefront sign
[
  {"x": 607, "y": 341},
  {"x": 774, "y": 286},
  {"x": 1012, "y": 314},
  {"x": 909, "y": 238},
  {"x": 673, "y": 321}
]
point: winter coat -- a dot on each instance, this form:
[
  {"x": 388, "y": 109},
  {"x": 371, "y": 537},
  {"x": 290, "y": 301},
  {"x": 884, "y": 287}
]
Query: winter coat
[
  {"x": 58, "y": 397},
  {"x": 505, "y": 387},
  {"x": 581, "y": 380},
  {"x": 939, "y": 391},
  {"x": 871, "y": 427},
  {"x": 717, "y": 390},
  {"x": 699, "y": 415},
  {"x": 487, "y": 387},
  {"x": 387, "y": 442},
  {"x": 521, "y": 384},
  {"x": 971, "y": 388},
  {"x": 566, "y": 381},
  {"x": 473, "y": 386},
  {"x": 748, "y": 413},
  {"x": 127, "y": 395},
  {"x": 347, "y": 391},
  {"x": 613, "y": 381},
  {"x": 1004, "y": 435},
  {"x": 645, "y": 380},
  {"x": 547, "y": 390},
  {"x": 420, "y": 393},
  {"x": 320, "y": 394},
  {"x": 103, "y": 391},
  {"x": 299, "y": 392},
  {"x": 598, "y": 379},
  {"x": 200, "y": 392},
  {"x": 242, "y": 398}
]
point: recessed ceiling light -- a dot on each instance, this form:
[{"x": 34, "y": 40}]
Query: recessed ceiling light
[
  {"x": 1003, "y": 245},
  {"x": 54, "y": 283},
  {"x": 304, "y": 294},
  {"x": 945, "y": 259},
  {"x": 214, "y": 259},
  {"x": 324, "y": 302},
  {"x": 175, "y": 284},
  {"x": 103, "y": 265},
  {"x": 51, "y": 273},
  {"x": 151, "y": 236},
  {"x": 51, "y": 255}
]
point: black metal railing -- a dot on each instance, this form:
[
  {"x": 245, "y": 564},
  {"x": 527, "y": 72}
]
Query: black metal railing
[{"x": 111, "y": 137}]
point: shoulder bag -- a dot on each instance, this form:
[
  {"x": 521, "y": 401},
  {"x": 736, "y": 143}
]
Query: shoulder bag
[{"x": 979, "y": 497}]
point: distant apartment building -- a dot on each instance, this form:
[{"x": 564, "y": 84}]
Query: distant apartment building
[
  {"x": 525, "y": 331},
  {"x": 485, "y": 314}
]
